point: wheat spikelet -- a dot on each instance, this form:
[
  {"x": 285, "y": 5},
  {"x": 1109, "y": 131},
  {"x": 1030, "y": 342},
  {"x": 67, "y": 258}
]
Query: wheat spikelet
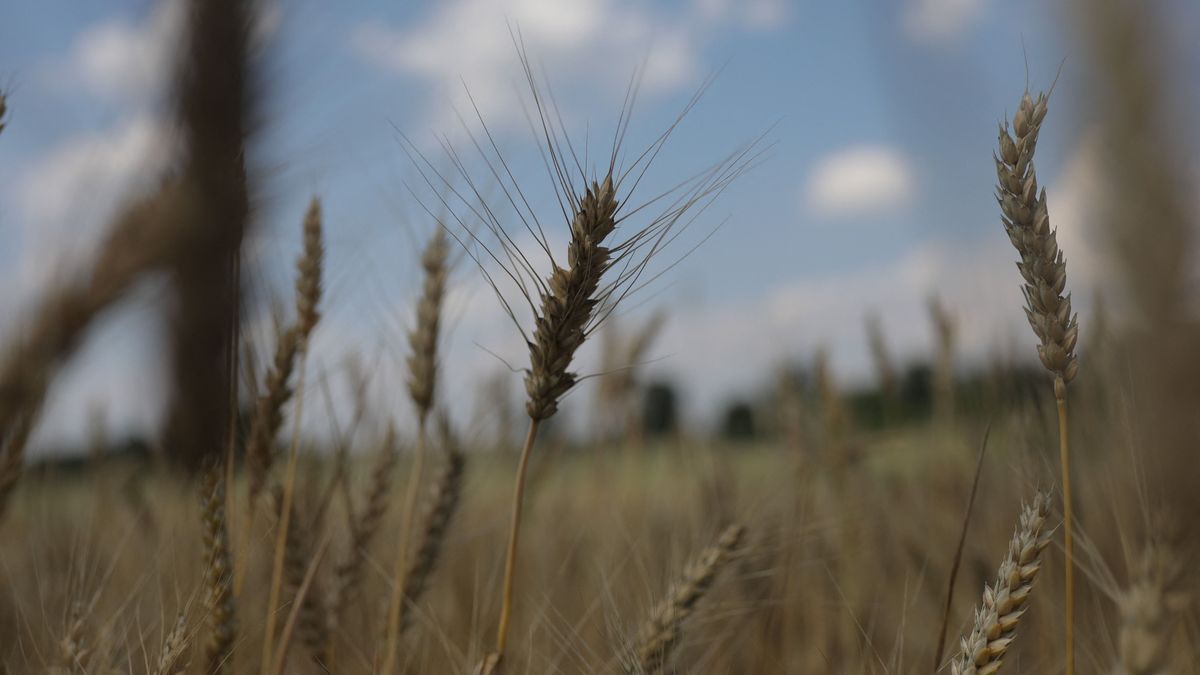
[
  {"x": 1149, "y": 609},
  {"x": 172, "y": 647},
  {"x": 1027, "y": 222},
  {"x": 268, "y": 416},
  {"x": 308, "y": 272},
  {"x": 73, "y": 649},
  {"x": 569, "y": 300},
  {"x": 443, "y": 502},
  {"x": 423, "y": 339},
  {"x": 663, "y": 630},
  {"x": 1004, "y": 603},
  {"x": 218, "y": 574}
]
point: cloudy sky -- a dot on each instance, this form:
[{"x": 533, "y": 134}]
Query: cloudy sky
[{"x": 874, "y": 192}]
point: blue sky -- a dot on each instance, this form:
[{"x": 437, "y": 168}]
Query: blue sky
[{"x": 875, "y": 191}]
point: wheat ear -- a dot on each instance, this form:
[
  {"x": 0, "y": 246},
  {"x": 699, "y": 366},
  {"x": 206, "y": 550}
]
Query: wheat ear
[
  {"x": 1005, "y": 602},
  {"x": 1027, "y": 222},
  {"x": 277, "y": 391},
  {"x": 1149, "y": 610},
  {"x": 73, "y": 648},
  {"x": 172, "y": 647},
  {"x": 218, "y": 570},
  {"x": 3, "y": 110},
  {"x": 664, "y": 628},
  {"x": 423, "y": 338}
]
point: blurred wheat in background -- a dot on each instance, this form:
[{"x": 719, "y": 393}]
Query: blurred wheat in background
[{"x": 289, "y": 512}]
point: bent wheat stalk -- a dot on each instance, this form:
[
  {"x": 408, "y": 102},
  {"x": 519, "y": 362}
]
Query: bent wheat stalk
[{"x": 1027, "y": 222}]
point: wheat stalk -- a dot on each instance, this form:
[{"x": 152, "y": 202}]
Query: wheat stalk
[
  {"x": 443, "y": 502},
  {"x": 578, "y": 294},
  {"x": 1027, "y": 222},
  {"x": 218, "y": 575},
  {"x": 1005, "y": 602},
  {"x": 311, "y": 626},
  {"x": 348, "y": 573},
  {"x": 567, "y": 303},
  {"x": 308, "y": 296},
  {"x": 422, "y": 386},
  {"x": 664, "y": 628}
]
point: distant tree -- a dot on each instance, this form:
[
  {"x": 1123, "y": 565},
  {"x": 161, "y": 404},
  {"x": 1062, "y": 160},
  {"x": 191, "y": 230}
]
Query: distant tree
[
  {"x": 660, "y": 415},
  {"x": 738, "y": 421},
  {"x": 916, "y": 392}
]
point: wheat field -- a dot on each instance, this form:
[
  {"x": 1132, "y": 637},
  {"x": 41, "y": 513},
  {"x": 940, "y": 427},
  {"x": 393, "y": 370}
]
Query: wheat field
[{"x": 1040, "y": 516}]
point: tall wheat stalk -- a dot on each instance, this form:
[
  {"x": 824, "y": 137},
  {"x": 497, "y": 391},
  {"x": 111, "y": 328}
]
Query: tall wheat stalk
[
  {"x": 308, "y": 297},
  {"x": 571, "y": 302},
  {"x": 422, "y": 390},
  {"x": 1027, "y": 222}
]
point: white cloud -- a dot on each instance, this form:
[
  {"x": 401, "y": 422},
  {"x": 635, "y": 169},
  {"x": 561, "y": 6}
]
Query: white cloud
[
  {"x": 597, "y": 42},
  {"x": 66, "y": 196},
  {"x": 760, "y": 14},
  {"x": 940, "y": 21},
  {"x": 123, "y": 61},
  {"x": 1075, "y": 200},
  {"x": 128, "y": 62},
  {"x": 860, "y": 180}
]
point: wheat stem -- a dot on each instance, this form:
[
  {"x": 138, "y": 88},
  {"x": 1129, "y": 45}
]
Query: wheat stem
[
  {"x": 510, "y": 559},
  {"x": 285, "y": 517},
  {"x": 392, "y": 636},
  {"x": 1068, "y": 534}
]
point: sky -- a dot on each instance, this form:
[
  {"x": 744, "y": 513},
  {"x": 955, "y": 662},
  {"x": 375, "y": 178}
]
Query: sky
[{"x": 877, "y": 119}]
